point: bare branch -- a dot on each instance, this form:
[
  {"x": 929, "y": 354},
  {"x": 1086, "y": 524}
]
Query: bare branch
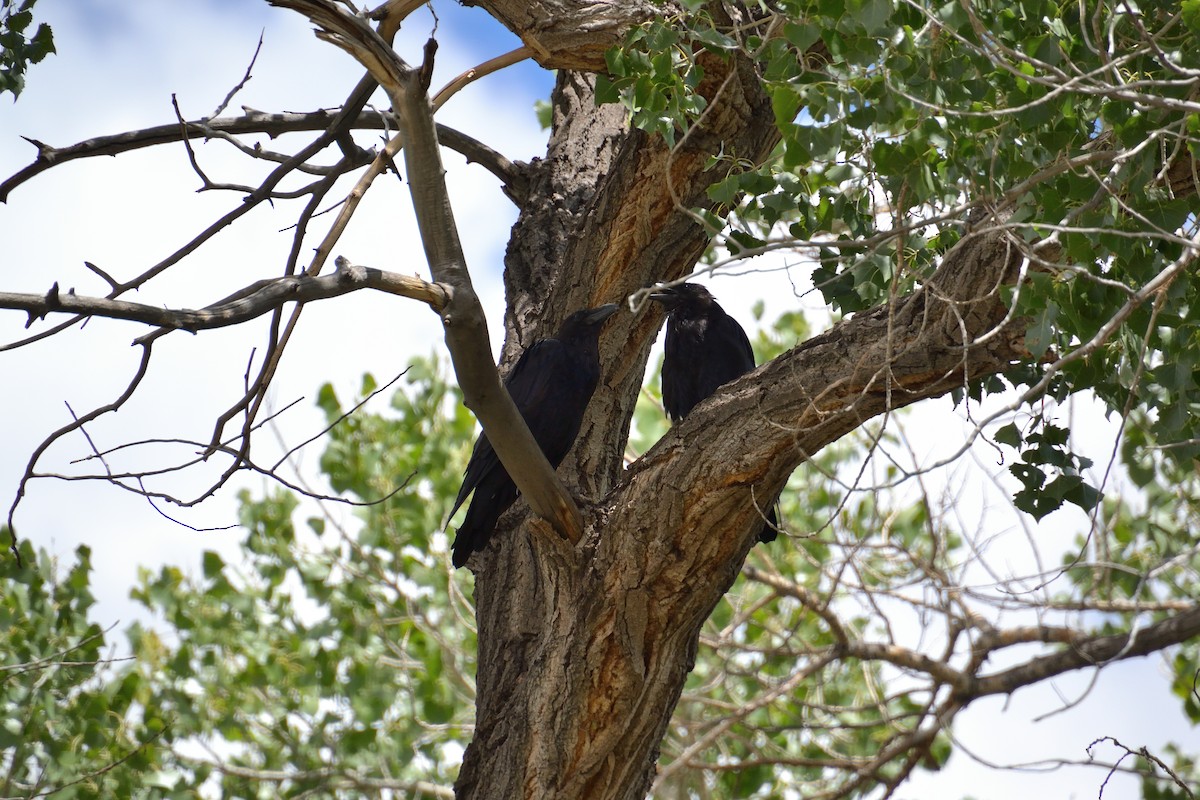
[
  {"x": 475, "y": 73},
  {"x": 351, "y": 203},
  {"x": 74, "y": 425},
  {"x": 242, "y": 83},
  {"x": 341, "y": 418},
  {"x": 357, "y": 98},
  {"x": 807, "y": 597},
  {"x": 1145, "y": 753},
  {"x": 1093, "y": 652},
  {"x": 462, "y": 318},
  {"x": 256, "y": 392},
  {"x": 247, "y": 304},
  {"x": 332, "y": 778},
  {"x": 256, "y": 122}
]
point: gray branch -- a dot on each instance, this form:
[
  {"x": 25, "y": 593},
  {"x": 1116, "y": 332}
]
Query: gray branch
[
  {"x": 462, "y": 317},
  {"x": 1093, "y": 652},
  {"x": 246, "y": 304},
  {"x": 511, "y": 174}
]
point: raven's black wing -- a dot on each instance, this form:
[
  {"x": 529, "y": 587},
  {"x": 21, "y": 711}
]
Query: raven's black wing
[
  {"x": 701, "y": 354},
  {"x": 532, "y": 385},
  {"x": 529, "y": 384},
  {"x": 550, "y": 385},
  {"x": 727, "y": 355}
]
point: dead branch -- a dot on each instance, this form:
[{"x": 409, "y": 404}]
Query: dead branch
[
  {"x": 74, "y": 425},
  {"x": 252, "y": 401},
  {"x": 475, "y": 73},
  {"x": 247, "y": 304},
  {"x": 1081, "y": 650},
  {"x": 260, "y": 122},
  {"x": 462, "y": 318}
]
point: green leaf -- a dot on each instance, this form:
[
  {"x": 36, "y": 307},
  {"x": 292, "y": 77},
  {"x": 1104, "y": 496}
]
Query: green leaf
[
  {"x": 544, "y": 111},
  {"x": 1191, "y": 14},
  {"x": 1009, "y": 435},
  {"x": 1041, "y": 332},
  {"x": 213, "y": 564},
  {"x": 803, "y": 36}
]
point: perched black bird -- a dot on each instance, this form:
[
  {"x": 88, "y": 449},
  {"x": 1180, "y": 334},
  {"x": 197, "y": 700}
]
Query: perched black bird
[
  {"x": 551, "y": 386},
  {"x": 705, "y": 348}
]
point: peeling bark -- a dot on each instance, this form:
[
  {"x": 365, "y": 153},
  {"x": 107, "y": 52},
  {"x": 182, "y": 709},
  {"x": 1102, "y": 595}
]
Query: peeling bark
[{"x": 570, "y": 34}]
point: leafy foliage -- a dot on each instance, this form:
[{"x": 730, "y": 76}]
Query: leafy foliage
[
  {"x": 339, "y": 655},
  {"x": 17, "y": 51},
  {"x": 332, "y": 659},
  {"x": 904, "y": 126},
  {"x": 65, "y": 713},
  {"x": 335, "y": 658},
  {"x": 1048, "y": 447}
]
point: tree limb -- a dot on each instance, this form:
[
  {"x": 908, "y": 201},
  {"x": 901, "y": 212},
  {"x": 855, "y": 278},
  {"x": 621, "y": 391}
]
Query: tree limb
[
  {"x": 257, "y": 122},
  {"x": 570, "y": 34},
  {"x": 475, "y": 73},
  {"x": 74, "y": 425},
  {"x": 1090, "y": 653},
  {"x": 255, "y": 394},
  {"x": 246, "y": 304},
  {"x": 462, "y": 317}
]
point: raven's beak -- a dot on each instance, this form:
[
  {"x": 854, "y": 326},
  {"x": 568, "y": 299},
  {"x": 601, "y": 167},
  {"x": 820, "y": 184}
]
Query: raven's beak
[
  {"x": 601, "y": 313},
  {"x": 665, "y": 295}
]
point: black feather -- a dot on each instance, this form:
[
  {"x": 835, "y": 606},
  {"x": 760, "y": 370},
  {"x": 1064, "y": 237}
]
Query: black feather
[
  {"x": 551, "y": 385},
  {"x": 705, "y": 348}
]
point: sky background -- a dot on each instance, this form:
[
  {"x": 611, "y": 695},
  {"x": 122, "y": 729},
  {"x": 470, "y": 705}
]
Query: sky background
[{"x": 119, "y": 63}]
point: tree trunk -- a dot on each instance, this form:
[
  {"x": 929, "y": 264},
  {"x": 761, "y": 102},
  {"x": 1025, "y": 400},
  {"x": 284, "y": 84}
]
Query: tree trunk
[{"x": 583, "y": 651}]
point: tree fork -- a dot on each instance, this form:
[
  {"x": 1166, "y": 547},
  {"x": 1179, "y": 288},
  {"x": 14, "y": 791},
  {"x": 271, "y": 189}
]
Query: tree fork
[{"x": 581, "y": 664}]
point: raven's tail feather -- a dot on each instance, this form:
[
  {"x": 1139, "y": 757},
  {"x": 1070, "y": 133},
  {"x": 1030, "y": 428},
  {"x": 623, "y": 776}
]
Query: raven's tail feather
[
  {"x": 770, "y": 528},
  {"x": 476, "y": 530}
]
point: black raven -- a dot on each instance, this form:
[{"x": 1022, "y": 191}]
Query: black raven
[
  {"x": 705, "y": 348},
  {"x": 551, "y": 385}
]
